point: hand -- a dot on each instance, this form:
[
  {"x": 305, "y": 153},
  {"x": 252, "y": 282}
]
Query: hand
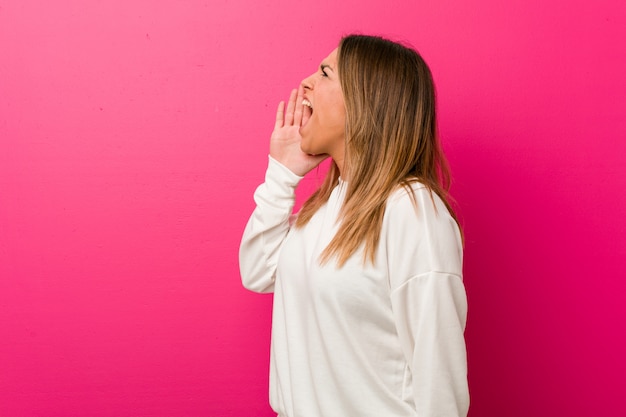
[{"x": 285, "y": 139}]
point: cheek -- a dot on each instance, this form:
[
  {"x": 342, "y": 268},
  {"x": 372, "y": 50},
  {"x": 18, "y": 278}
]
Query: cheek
[
  {"x": 329, "y": 126},
  {"x": 332, "y": 115},
  {"x": 340, "y": 113},
  {"x": 339, "y": 122}
]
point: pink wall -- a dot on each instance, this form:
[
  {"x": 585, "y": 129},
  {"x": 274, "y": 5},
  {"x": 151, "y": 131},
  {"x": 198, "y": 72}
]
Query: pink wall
[{"x": 133, "y": 133}]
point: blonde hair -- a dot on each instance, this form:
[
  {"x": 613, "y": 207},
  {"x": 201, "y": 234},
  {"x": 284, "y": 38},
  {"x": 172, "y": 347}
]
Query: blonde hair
[{"x": 391, "y": 141}]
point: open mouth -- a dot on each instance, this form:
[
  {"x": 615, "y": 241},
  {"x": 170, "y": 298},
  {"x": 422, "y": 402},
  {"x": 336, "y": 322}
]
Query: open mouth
[{"x": 307, "y": 105}]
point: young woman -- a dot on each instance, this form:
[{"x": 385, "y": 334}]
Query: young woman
[{"x": 369, "y": 304}]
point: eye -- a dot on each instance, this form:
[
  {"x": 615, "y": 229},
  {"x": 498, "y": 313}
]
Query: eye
[{"x": 323, "y": 74}]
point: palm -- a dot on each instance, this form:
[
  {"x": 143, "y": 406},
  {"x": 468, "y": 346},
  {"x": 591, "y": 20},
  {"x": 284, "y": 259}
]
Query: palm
[{"x": 285, "y": 139}]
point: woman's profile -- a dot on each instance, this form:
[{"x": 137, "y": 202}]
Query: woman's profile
[{"x": 369, "y": 304}]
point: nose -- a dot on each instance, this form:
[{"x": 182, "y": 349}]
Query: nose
[{"x": 308, "y": 82}]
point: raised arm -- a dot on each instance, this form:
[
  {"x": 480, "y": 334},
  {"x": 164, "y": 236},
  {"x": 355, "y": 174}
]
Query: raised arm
[{"x": 269, "y": 224}]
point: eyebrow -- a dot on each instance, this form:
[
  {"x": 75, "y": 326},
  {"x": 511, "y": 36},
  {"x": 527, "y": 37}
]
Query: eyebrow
[{"x": 324, "y": 66}]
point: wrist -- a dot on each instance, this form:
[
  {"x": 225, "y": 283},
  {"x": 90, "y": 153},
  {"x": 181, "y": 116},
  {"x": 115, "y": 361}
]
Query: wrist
[{"x": 289, "y": 173}]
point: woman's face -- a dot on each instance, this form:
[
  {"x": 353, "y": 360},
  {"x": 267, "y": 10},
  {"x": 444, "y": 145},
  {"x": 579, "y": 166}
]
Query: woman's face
[{"x": 324, "y": 131}]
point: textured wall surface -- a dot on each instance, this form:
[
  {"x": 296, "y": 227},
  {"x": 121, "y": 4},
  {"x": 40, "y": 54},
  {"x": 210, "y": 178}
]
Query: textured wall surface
[{"x": 133, "y": 133}]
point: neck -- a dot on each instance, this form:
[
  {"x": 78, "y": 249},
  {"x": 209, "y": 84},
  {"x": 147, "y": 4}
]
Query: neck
[{"x": 339, "y": 160}]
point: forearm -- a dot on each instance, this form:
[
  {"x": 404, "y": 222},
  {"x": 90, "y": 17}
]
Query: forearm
[{"x": 267, "y": 228}]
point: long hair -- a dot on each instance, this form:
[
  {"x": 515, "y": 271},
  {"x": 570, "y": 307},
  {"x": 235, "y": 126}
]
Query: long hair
[{"x": 391, "y": 141}]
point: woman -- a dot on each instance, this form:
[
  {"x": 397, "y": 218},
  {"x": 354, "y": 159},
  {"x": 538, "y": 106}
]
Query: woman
[{"x": 369, "y": 304}]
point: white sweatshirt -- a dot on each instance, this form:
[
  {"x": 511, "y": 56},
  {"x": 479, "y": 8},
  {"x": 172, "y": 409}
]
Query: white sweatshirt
[{"x": 382, "y": 340}]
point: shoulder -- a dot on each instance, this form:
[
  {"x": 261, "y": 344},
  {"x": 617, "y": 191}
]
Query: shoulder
[
  {"x": 416, "y": 200},
  {"x": 418, "y": 225}
]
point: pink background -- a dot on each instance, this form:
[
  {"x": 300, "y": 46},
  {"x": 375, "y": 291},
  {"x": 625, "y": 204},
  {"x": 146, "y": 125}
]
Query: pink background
[{"x": 134, "y": 132}]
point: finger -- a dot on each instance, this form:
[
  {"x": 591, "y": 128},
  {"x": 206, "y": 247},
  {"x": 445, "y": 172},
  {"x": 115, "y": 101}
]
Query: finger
[
  {"x": 291, "y": 108},
  {"x": 297, "y": 116},
  {"x": 280, "y": 115}
]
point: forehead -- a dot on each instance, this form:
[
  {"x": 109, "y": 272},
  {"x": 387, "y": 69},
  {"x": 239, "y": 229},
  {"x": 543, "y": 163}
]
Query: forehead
[{"x": 331, "y": 59}]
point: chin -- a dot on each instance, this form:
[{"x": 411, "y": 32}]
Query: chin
[{"x": 304, "y": 148}]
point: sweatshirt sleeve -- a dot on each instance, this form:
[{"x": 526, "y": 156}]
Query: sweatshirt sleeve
[
  {"x": 429, "y": 302},
  {"x": 267, "y": 227}
]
